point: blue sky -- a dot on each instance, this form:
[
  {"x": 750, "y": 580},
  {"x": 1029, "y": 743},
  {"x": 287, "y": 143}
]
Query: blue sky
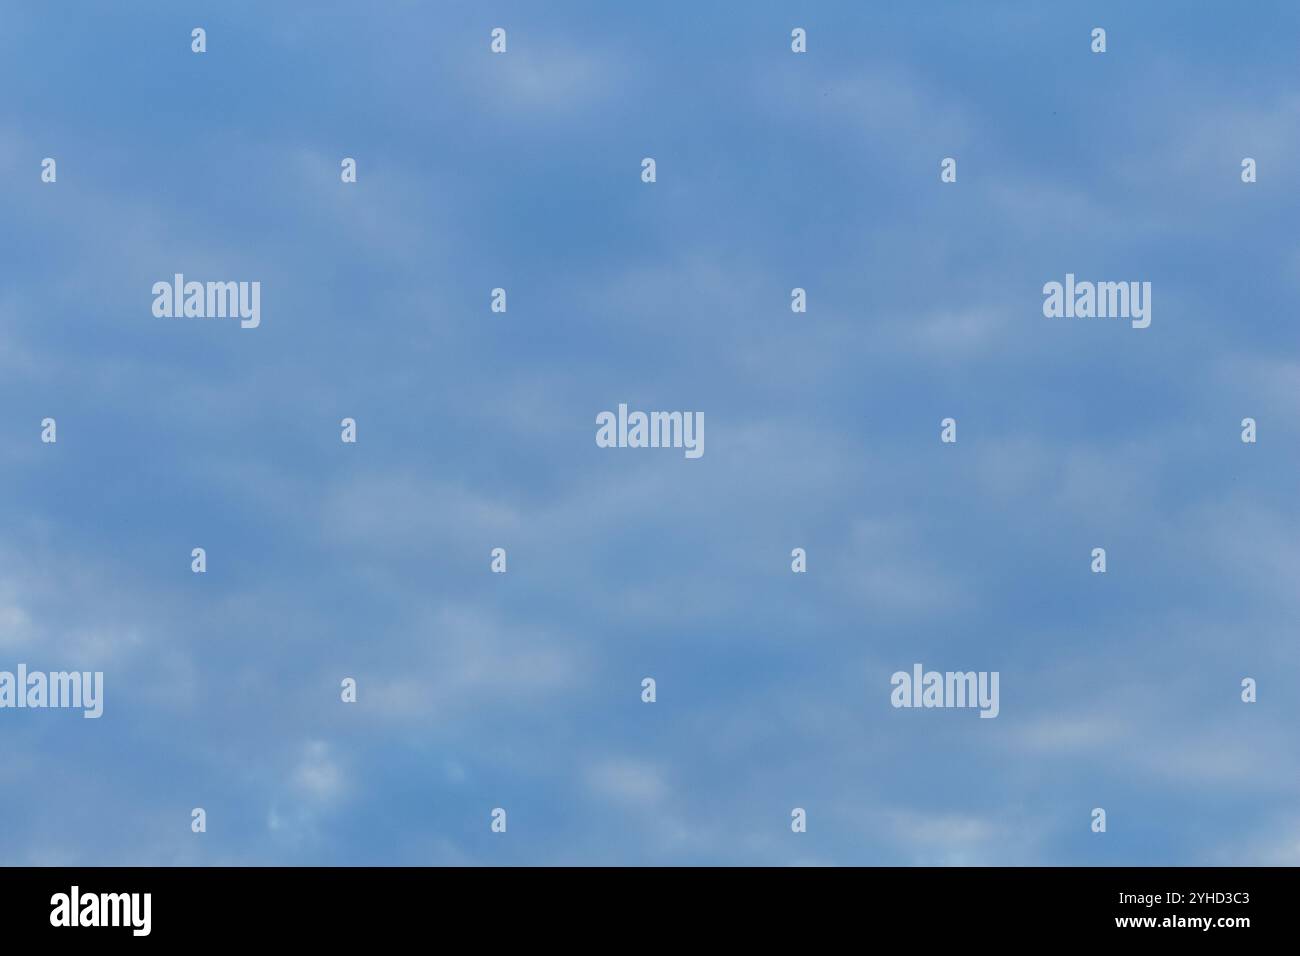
[{"x": 476, "y": 430}]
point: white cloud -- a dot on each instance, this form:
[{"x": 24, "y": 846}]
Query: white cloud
[
  {"x": 948, "y": 838},
  {"x": 627, "y": 781},
  {"x": 460, "y": 658},
  {"x": 317, "y": 775}
]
